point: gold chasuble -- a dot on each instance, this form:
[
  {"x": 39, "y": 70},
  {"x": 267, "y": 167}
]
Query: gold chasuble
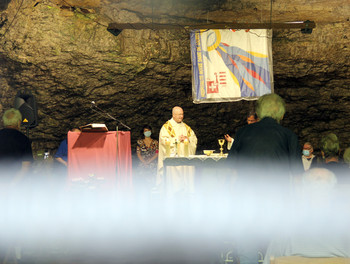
[{"x": 179, "y": 178}]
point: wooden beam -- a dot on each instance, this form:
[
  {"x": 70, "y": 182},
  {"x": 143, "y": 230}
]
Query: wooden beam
[
  {"x": 78, "y": 3},
  {"x": 157, "y": 26}
]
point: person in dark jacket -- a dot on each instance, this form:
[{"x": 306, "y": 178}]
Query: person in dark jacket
[
  {"x": 266, "y": 146},
  {"x": 265, "y": 155},
  {"x": 15, "y": 148},
  {"x": 331, "y": 161}
]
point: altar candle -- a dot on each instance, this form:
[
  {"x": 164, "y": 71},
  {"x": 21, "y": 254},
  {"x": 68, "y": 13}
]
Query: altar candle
[
  {"x": 186, "y": 154},
  {"x": 167, "y": 147}
]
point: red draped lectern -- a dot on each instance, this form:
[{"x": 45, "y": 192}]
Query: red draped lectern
[{"x": 100, "y": 158}]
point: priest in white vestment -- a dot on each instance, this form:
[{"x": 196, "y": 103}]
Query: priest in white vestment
[{"x": 181, "y": 138}]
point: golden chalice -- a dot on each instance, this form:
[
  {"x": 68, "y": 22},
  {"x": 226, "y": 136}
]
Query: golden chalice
[
  {"x": 208, "y": 152},
  {"x": 221, "y": 143}
]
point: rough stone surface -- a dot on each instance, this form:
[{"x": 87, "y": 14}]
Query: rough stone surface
[{"x": 66, "y": 57}]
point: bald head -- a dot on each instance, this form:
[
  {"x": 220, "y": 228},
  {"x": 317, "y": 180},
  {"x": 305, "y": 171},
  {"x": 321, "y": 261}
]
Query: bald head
[
  {"x": 318, "y": 187},
  {"x": 319, "y": 179},
  {"x": 178, "y": 114}
]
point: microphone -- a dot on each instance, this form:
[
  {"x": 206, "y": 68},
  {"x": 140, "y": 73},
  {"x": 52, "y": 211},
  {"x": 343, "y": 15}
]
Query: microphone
[
  {"x": 96, "y": 109},
  {"x": 93, "y": 104}
]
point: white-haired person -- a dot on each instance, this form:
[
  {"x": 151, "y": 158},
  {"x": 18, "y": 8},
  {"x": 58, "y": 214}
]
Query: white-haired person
[
  {"x": 15, "y": 148},
  {"x": 264, "y": 155},
  {"x": 318, "y": 224},
  {"x": 330, "y": 148},
  {"x": 346, "y": 156},
  {"x": 266, "y": 147}
]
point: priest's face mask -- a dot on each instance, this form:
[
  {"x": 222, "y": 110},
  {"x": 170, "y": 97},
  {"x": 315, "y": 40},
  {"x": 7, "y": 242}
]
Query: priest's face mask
[{"x": 178, "y": 115}]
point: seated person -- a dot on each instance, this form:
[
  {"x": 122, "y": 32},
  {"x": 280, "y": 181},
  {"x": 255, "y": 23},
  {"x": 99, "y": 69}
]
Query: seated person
[{"x": 62, "y": 153}]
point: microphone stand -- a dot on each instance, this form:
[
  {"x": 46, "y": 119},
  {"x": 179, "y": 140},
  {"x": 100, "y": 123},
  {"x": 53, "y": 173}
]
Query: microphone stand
[{"x": 103, "y": 113}]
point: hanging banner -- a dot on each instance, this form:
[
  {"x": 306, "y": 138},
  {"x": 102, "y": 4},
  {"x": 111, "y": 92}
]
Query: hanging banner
[{"x": 231, "y": 65}]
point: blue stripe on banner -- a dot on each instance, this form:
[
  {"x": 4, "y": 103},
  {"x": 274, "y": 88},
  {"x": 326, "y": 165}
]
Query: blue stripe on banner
[
  {"x": 199, "y": 86},
  {"x": 259, "y": 65}
]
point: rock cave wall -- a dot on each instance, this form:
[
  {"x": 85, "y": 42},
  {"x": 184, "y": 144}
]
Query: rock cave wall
[{"x": 62, "y": 52}]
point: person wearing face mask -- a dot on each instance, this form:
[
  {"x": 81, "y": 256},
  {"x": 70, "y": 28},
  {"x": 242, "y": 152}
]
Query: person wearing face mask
[
  {"x": 147, "y": 153},
  {"x": 147, "y": 150},
  {"x": 308, "y": 157}
]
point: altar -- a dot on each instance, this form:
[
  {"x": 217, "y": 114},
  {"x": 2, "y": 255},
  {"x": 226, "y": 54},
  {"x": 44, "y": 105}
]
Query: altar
[{"x": 204, "y": 174}]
